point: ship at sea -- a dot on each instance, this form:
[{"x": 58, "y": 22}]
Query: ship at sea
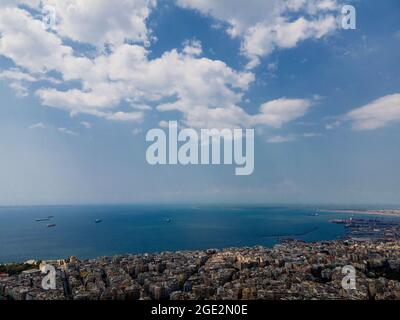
[
  {"x": 126, "y": 224},
  {"x": 51, "y": 225},
  {"x": 44, "y": 219},
  {"x": 98, "y": 221}
]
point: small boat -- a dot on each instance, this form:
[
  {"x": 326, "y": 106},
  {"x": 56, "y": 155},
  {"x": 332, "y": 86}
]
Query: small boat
[
  {"x": 98, "y": 220},
  {"x": 338, "y": 221},
  {"x": 44, "y": 219},
  {"x": 316, "y": 214},
  {"x": 51, "y": 225}
]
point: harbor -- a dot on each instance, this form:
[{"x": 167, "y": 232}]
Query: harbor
[{"x": 358, "y": 228}]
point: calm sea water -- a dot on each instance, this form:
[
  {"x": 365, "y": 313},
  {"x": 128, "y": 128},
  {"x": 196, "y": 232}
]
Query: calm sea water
[{"x": 139, "y": 229}]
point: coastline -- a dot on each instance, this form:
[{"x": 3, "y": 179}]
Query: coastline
[
  {"x": 382, "y": 212},
  {"x": 136, "y": 229},
  {"x": 188, "y": 229}
]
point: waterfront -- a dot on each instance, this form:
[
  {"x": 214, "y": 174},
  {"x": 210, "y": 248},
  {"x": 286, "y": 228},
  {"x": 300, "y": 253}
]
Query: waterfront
[{"x": 138, "y": 229}]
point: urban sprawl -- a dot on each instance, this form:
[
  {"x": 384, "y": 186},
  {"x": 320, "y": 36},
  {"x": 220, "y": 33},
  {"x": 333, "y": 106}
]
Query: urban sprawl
[{"x": 290, "y": 270}]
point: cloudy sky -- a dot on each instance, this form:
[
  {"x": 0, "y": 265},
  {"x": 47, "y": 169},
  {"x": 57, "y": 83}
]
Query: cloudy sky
[{"x": 79, "y": 92}]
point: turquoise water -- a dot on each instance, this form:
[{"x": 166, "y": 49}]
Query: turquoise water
[{"x": 139, "y": 229}]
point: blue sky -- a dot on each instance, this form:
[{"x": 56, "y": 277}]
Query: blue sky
[{"x": 77, "y": 100}]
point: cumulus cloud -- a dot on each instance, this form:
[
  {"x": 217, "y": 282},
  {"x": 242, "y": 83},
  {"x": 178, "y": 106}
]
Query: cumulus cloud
[
  {"x": 97, "y": 22},
  {"x": 263, "y": 39},
  {"x": 208, "y": 93},
  {"x": 191, "y": 83},
  {"x": 19, "y": 81},
  {"x": 278, "y": 112},
  {"x": 24, "y": 40},
  {"x": 101, "y": 22},
  {"x": 376, "y": 114},
  {"x": 16, "y": 75},
  {"x": 265, "y": 25},
  {"x": 275, "y": 114}
]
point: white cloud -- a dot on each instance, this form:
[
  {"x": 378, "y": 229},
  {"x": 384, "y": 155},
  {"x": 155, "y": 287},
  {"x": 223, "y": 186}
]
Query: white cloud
[
  {"x": 333, "y": 125},
  {"x": 24, "y": 40},
  {"x": 19, "y": 81},
  {"x": 17, "y": 75},
  {"x": 67, "y": 131},
  {"x": 39, "y": 125},
  {"x": 291, "y": 138},
  {"x": 263, "y": 39},
  {"x": 86, "y": 124},
  {"x": 100, "y": 22},
  {"x": 281, "y": 111},
  {"x": 207, "y": 92},
  {"x": 13, "y": 3},
  {"x": 265, "y": 25},
  {"x": 376, "y": 114},
  {"x": 311, "y": 135},
  {"x": 125, "y": 116},
  {"x": 163, "y": 124},
  {"x": 275, "y": 114},
  {"x": 193, "y": 48},
  {"x": 77, "y": 101},
  {"x": 128, "y": 75},
  {"x": 281, "y": 139},
  {"x": 19, "y": 88}
]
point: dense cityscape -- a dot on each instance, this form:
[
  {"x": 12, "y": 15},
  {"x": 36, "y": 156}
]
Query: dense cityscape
[{"x": 290, "y": 270}]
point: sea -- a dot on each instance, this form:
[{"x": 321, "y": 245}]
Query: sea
[{"x": 154, "y": 228}]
